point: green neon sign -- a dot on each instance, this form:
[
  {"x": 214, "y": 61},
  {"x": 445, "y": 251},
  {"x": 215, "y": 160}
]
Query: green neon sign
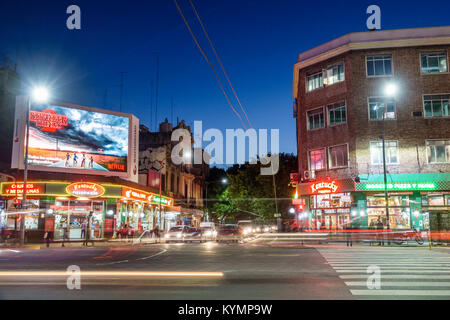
[{"x": 399, "y": 186}]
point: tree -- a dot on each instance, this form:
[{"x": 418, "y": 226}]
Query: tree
[{"x": 249, "y": 191}]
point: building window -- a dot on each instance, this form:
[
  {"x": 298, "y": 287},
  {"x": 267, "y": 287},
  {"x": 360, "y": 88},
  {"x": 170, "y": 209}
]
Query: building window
[
  {"x": 314, "y": 81},
  {"x": 337, "y": 114},
  {"x": 379, "y": 66},
  {"x": 381, "y": 105},
  {"x": 434, "y": 62},
  {"x": 438, "y": 151},
  {"x": 376, "y": 152},
  {"x": 316, "y": 119},
  {"x": 338, "y": 156},
  {"x": 335, "y": 74},
  {"x": 437, "y": 105},
  {"x": 317, "y": 159}
]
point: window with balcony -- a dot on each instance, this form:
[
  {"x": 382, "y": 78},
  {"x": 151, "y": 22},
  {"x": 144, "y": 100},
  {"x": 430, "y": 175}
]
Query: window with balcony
[
  {"x": 317, "y": 159},
  {"x": 376, "y": 152},
  {"x": 381, "y": 106},
  {"x": 436, "y": 106},
  {"x": 438, "y": 151},
  {"x": 434, "y": 62},
  {"x": 316, "y": 119},
  {"x": 337, "y": 114},
  {"x": 314, "y": 81},
  {"x": 338, "y": 156},
  {"x": 379, "y": 66}
]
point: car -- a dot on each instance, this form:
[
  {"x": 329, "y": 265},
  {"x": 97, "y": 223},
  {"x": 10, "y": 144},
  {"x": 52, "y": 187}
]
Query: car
[
  {"x": 248, "y": 227},
  {"x": 209, "y": 230},
  {"x": 193, "y": 234},
  {"x": 229, "y": 232},
  {"x": 176, "y": 234}
]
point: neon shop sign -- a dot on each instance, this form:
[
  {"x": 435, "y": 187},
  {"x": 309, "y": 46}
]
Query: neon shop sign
[{"x": 324, "y": 187}]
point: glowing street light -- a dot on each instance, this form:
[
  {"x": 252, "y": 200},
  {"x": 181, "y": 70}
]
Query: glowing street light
[
  {"x": 39, "y": 95},
  {"x": 391, "y": 89}
]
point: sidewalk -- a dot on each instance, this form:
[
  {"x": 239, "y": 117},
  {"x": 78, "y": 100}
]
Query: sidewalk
[{"x": 79, "y": 243}]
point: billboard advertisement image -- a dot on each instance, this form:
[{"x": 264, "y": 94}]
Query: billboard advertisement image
[
  {"x": 76, "y": 139},
  {"x": 64, "y": 137}
]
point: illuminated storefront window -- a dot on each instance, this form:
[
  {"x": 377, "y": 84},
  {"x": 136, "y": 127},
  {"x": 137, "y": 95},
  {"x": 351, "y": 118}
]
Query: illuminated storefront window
[{"x": 399, "y": 211}]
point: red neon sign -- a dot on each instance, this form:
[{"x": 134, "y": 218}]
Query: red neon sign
[
  {"x": 85, "y": 189},
  {"x": 49, "y": 120},
  {"x": 14, "y": 189},
  {"x": 324, "y": 187}
]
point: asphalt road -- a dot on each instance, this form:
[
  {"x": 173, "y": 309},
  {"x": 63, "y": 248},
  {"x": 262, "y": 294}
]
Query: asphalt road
[
  {"x": 225, "y": 271},
  {"x": 233, "y": 271}
]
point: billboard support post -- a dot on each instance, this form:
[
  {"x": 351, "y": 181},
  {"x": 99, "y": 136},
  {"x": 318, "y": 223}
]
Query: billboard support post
[{"x": 25, "y": 173}]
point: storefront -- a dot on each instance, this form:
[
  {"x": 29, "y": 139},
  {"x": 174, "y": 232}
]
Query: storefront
[
  {"x": 58, "y": 206},
  {"x": 414, "y": 201}
]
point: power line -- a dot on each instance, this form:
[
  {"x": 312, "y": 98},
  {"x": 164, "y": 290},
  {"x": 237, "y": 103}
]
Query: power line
[
  {"x": 220, "y": 62},
  {"x": 207, "y": 60}
]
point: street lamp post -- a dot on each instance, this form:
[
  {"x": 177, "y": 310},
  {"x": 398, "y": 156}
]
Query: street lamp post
[
  {"x": 40, "y": 95},
  {"x": 390, "y": 91}
]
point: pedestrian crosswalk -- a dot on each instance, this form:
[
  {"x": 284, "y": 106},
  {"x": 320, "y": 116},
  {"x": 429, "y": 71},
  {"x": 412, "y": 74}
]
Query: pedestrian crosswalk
[{"x": 392, "y": 273}]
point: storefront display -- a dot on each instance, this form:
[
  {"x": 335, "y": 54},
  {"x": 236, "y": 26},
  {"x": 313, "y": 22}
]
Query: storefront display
[{"x": 64, "y": 207}]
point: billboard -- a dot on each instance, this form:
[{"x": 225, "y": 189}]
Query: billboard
[{"x": 68, "y": 138}]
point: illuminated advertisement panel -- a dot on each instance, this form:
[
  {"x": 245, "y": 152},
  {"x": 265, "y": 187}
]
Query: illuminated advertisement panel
[
  {"x": 68, "y": 138},
  {"x": 77, "y": 139}
]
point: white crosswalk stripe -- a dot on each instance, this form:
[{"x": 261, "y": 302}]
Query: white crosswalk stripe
[{"x": 419, "y": 273}]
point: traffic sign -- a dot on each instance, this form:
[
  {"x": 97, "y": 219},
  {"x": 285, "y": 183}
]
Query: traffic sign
[{"x": 277, "y": 215}]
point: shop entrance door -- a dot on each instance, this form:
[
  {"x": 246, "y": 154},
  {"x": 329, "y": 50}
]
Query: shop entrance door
[{"x": 343, "y": 219}]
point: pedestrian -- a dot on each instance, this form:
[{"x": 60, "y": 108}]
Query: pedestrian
[
  {"x": 64, "y": 233},
  {"x": 48, "y": 236},
  {"x": 75, "y": 157},
  {"x": 83, "y": 229},
  {"x": 91, "y": 162},
  {"x": 67, "y": 160},
  {"x": 380, "y": 228},
  {"x": 349, "y": 234},
  {"x": 83, "y": 161}
]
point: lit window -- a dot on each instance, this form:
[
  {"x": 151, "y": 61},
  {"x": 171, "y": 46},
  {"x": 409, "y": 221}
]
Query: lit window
[
  {"x": 438, "y": 151},
  {"x": 376, "y": 152},
  {"x": 338, "y": 156},
  {"x": 434, "y": 62},
  {"x": 317, "y": 159},
  {"x": 437, "y": 105},
  {"x": 378, "y": 66},
  {"x": 337, "y": 114},
  {"x": 316, "y": 119},
  {"x": 314, "y": 81},
  {"x": 381, "y": 105},
  {"x": 334, "y": 74}
]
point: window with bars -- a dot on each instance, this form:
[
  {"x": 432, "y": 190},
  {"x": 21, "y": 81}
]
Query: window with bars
[
  {"x": 337, "y": 114},
  {"x": 434, "y": 62},
  {"x": 378, "y": 66},
  {"x": 338, "y": 156},
  {"x": 317, "y": 159},
  {"x": 376, "y": 152},
  {"x": 437, "y": 105},
  {"x": 438, "y": 151},
  {"x": 335, "y": 74},
  {"x": 314, "y": 81},
  {"x": 379, "y": 106},
  {"x": 316, "y": 119}
]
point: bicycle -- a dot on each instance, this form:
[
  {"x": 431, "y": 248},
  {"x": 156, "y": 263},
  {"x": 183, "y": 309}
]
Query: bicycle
[{"x": 408, "y": 236}]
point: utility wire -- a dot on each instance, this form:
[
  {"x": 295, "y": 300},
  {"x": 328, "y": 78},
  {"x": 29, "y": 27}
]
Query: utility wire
[
  {"x": 207, "y": 60},
  {"x": 220, "y": 62}
]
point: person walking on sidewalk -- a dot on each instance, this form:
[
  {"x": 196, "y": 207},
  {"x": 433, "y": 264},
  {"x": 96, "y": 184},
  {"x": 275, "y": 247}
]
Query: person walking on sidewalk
[
  {"x": 380, "y": 228},
  {"x": 349, "y": 234},
  {"x": 83, "y": 229}
]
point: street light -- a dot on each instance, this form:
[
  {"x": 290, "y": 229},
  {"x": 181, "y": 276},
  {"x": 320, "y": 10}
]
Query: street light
[
  {"x": 390, "y": 90},
  {"x": 40, "y": 95}
]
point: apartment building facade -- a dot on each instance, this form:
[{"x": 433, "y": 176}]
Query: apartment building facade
[{"x": 347, "y": 93}]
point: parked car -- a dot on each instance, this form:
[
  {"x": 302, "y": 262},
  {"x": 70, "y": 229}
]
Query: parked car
[
  {"x": 176, "y": 234},
  {"x": 229, "y": 232},
  {"x": 193, "y": 234},
  {"x": 209, "y": 230}
]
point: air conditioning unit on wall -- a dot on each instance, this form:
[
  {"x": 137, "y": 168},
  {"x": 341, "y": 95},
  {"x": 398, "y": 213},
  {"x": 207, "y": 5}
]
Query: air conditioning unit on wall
[{"x": 309, "y": 174}]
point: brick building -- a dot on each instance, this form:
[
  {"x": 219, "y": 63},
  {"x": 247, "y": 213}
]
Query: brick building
[{"x": 341, "y": 106}]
